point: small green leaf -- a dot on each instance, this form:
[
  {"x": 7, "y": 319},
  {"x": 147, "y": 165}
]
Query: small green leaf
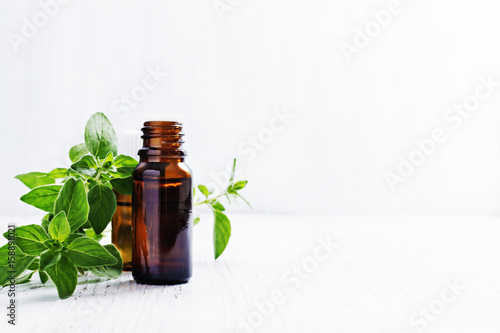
[
  {"x": 64, "y": 276},
  {"x": 100, "y": 137},
  {"x": 124, "y": 165},
  {"x": 111, "y": 271},
  {"x": 91, "y": 234},
  {"x": 108, "y": 161},
  {"x": 218, "y": 206},
  {"x": 222, "y": 232},
  {"x": 54, "y": 245},
  {"x": 203, "y": 189},
  {"x": 43, "y": 277},
  {"x": 59, "y": 227},
  {"x": 86, "y": 252},
  {"x": 42, "y": 197},
  {"x": 58, "y": 173},
  {"x": 30, "y": 238},
  {"x": 239, "y": 185},
  {"x": 46, "y": 221},
  {"x": 123, "y": 185},
  {"x": 12, "y": 262},
  {"x": 102, "y": 202},
  {"x": 196, "y": 220},
  {"x": 86, "y": 166},
  {"x": 35, "y": 179},
  {"x": 73, "y": 201},
  {"x": 76, "y": 152},
  {"x": 48, "y": 258},
  {"x": 105, "y": 178}
]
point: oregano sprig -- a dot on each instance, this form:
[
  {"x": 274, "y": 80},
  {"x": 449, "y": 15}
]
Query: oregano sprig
[{"x": 222, "y": 225}]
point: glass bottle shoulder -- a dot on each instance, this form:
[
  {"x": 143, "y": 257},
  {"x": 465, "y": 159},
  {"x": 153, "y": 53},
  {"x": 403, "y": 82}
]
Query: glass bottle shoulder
[{"x": 161, "y": 170}]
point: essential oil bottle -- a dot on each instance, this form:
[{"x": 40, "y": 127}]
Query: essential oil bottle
[
  {"x": 121, "y": 235},
  {"x": 162, "y": 207}
]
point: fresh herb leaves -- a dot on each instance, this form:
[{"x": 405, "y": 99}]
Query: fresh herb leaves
[
  {"x": 222, "y": 226},
  {"x": 79, "y": 208}
]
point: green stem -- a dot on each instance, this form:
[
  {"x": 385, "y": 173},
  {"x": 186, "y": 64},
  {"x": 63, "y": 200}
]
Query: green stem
[{"x": 208, "y": 200}]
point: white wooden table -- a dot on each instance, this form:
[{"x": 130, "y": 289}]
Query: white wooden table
[{"x": 382, "y": 274}]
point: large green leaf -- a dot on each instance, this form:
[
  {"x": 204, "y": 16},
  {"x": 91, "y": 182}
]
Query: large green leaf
[
  {"x": 30, "y": 238},
  {"x": 13, "y": 262},
  {"x": 64, "y": 275},
  {"x": 42, "y": 197},
  {"x": 222, "y": 233},
  {"x": 73, "y": 201},
  {"x": 111, "y": 271},
  {"x": 100, "y": 137},
  {"x": 123, "y": 185},
  {"x": 102, "y": 202},
  {"x": 76, "y": 152},
  {"x": 86, "y": 252},
  {"x": 59, "y": 227},
  {"x": 34, "y": 179}
]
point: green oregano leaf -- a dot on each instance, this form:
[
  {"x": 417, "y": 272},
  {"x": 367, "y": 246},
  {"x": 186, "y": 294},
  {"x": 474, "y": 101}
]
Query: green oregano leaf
[
  {"x": 46, "y": 221},
  {"x": 43, "y": 277},
  {"x": 35, "y": 179},
  {"x": 76, "y": 152},
  {"x": 222, "y": 233},
  {"x": 73, "y": 201},
  {"x": 54, "y": 245},
  {"x": 59, "y": 227},
  {"x": 239, "y": 185},
  {"x": 110, "y": 271},
  {"x": 86, "y": 252},
  {"x": 11, "y": 253},
  {"x": 42, "y": 197},
  {"x": 204, "y": 190},
  {"x": 218, "y": 206},
  {"x": 124, "y": 166},
  {"x": 48, "y": 258},
  {"x": 102, "y": 202},
  {"x": 86, "y": 166},
  {"x": 64, "y": 276},
  {"x": 30, "y": 238},
  {"x": 100, "y": 137},
  {"x": 123, "y": 185},
  {"x": 58, "y": 173}
]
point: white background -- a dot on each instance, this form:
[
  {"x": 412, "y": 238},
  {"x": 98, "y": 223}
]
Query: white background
[{"x": 227, "y": 76}]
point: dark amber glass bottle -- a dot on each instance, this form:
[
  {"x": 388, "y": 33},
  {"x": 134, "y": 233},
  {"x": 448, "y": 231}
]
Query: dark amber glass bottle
[
  {"x": 162, "y": 207},
  {"x": 121, "y": 234}
]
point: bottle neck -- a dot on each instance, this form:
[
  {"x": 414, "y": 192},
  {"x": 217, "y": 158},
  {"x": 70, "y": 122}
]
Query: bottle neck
[{"x": 162, "y": 142}]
